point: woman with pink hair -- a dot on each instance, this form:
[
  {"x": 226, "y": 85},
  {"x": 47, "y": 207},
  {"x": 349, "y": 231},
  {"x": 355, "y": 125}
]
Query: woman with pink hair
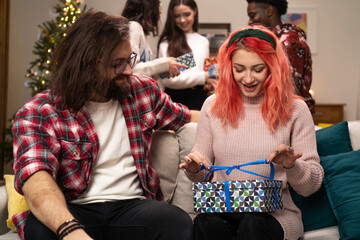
[{"x": 255, "y": 114}]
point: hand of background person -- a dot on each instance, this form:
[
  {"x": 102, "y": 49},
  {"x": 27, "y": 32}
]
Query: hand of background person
[
  {"x": 174, "y": 67},
  {"x": 210, "y": 84},
  {"x": 284, "y": 155},
  {"x": 193, "y": 162},
  {"x": 213, "y": 82}
]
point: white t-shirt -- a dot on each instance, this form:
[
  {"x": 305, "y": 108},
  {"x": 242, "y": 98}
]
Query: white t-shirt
[{"x": 114, "y": 175}]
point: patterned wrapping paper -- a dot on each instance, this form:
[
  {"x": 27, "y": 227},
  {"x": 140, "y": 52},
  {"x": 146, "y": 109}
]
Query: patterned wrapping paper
[
  {"x": 237, "y": 196},
  {"x": 210, "y": 65},
  {"x": 186, "y": 59}
]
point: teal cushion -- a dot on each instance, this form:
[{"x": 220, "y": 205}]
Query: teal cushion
[
  {"x": 342, "y": 183},
  {"x": 334, "y": 139},
  {"x": 315, "y": 203},
  {"x": 331, "y": 140}
]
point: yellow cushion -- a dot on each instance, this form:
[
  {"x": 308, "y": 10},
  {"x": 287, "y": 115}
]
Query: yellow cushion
[
  {"x": 16, "y": 202},
  {"x": 325, "y": 125}
]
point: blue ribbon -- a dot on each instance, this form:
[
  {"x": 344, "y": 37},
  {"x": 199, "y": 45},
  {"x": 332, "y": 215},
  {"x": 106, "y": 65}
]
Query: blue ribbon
[{"x": 229, "y": 169}]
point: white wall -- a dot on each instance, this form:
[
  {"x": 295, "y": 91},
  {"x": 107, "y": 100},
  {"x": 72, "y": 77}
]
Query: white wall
[{"x": 336, "y": 66}]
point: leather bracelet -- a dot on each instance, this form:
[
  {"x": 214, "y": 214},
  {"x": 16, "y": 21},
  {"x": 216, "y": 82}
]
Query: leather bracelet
[
  {"x": 70, "y": 229},
  {"x": 65, "y": 224}
]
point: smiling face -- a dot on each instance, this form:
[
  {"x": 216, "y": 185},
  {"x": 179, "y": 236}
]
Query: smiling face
[
  {"x": 184, "y": 18},
  {"x": 250, "y": 72},
  {"x": 119, "y": 84},
  {"x": 257, "y": 13}
]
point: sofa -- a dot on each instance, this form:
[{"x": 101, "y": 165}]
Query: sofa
[{"x": 168, "y": 150}]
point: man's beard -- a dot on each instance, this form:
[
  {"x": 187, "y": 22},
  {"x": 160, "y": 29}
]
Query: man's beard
[{"x": 116, "y": 92}]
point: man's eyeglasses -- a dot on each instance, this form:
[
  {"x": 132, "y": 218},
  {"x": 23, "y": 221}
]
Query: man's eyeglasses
[{"x": 121, "y": 66}]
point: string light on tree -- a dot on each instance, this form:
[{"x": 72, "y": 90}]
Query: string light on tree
[{"x": 51, "y": 32}]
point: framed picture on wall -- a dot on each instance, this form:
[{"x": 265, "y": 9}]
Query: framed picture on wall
[
  {"x": 306, "y": 19},
  {"x": 216, "y": 33}
]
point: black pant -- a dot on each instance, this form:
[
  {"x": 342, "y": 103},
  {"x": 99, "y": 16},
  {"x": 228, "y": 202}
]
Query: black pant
[
  {"x": 128, "y": 219},
  {"x": 247, "y": 226}
]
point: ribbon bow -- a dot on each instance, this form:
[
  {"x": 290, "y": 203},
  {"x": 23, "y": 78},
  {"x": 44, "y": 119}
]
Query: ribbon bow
[{"x": 229, "y": 169}]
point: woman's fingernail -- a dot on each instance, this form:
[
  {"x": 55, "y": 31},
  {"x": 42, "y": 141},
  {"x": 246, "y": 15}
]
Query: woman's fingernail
[
  {"x": 208, "y": 168},
  {"x": 188, "y": 160},
  {"x": 276, "y": 152}
]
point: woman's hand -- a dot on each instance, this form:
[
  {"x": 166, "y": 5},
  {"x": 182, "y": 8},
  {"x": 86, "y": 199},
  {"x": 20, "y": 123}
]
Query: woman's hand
[
  {"x": 193, "y": 162},
  {"x": 284, "y": 155},
  {"x": 174, "y": 67}
]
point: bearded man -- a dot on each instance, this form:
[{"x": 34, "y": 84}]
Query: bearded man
[{"x": 82, "y": 147}]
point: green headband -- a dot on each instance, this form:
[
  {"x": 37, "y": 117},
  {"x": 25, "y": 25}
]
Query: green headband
[{"x": 252, "y": 33}]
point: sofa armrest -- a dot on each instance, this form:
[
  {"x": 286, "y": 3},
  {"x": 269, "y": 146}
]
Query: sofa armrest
[{"x": 3, "y": 210}]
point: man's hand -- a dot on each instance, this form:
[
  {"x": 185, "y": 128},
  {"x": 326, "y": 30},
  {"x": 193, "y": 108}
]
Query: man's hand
[
  {"x": 78, "y": 234},
  {"x": 194, "y": 117},
  {"x": 47, "y": 203}
]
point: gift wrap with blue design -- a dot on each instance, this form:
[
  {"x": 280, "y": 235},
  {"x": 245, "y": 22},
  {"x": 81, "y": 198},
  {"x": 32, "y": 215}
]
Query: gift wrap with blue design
[
  {"x": 263, "y": 195},
  {"x": 237, "y": 196}
]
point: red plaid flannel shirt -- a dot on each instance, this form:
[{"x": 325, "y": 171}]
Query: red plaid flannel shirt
[{"x": 54, "y": 139}]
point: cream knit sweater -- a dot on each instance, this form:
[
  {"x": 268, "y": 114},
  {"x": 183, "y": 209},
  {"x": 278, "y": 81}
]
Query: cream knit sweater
[
  {"x": 252, "y": 140},
  {"x": 146, "y": 64}
]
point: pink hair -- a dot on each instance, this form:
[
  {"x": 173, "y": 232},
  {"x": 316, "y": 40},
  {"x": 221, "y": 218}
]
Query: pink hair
[{"x": 277, "y": 105}]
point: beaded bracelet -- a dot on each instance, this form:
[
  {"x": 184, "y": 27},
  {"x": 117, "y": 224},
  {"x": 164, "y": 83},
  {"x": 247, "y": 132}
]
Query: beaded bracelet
[
  {"x": 67, "y": 222},
  {"x": 70, "y": 229}
]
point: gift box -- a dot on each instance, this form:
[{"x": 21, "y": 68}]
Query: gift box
[
  {"x": 263, "y": 195},
  {"x": 208, "y": 62},
  {"x": 213, "y": 72},
  {"x": 237, "y": 196},
  {"x": 210, "y": 65}
]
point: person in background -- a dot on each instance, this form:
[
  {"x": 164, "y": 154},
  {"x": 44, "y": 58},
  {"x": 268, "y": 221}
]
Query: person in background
[
  {"x": 144, "y": 17},
  {"x": 253, "y": 115},
  {"x": 268, "y": 13},
  {"x": 81, "y": 148},
  {"x": 178, "y": 38}
]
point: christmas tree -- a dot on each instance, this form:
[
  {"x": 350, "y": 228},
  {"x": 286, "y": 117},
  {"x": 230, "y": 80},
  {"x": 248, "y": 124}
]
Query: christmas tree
[{"x": 51, "y": 32}]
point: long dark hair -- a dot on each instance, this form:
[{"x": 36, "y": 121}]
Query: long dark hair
[
  {"x": 145, "y": 12},
  {"x": 173, "y": 34},
  {"x": 90, "y": 42}
]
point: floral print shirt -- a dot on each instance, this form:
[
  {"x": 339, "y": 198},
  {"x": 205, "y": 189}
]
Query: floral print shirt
[{"x": 294, "y": 40}]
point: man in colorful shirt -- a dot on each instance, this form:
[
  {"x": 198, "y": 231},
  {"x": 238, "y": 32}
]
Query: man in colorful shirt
[
  {"x": 82, "y": 148},
  {"x": 268, "y": 13}
]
